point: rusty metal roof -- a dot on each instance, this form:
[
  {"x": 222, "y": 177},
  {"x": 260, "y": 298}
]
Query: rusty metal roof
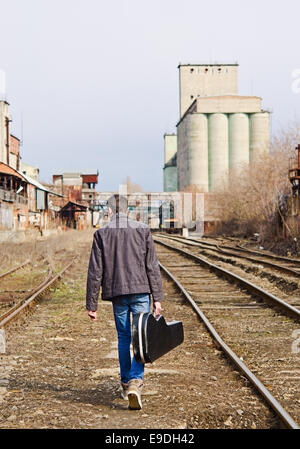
[
  {"x": 39, "y": 186},
  {"x": 6, "y": 169},
  {"x": 72, "y": 204}
]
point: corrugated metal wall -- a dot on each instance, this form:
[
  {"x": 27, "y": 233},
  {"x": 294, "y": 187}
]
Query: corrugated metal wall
[{"x": 6, "y": 216}]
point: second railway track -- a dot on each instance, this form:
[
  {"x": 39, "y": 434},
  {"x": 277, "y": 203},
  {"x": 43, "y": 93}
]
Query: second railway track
[
  {"x": 24, "y": 303},
  {"x": 261, "y": 337},
  {"x": 282, "y": 264},
  {"x": 280, "y": 280},
  {"x": 20, "y": 282}
]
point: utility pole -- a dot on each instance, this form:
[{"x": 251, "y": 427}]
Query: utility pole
[{"x": 7, "y": 120}]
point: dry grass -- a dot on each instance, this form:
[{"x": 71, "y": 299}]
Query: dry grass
[
  {"x": 255, "y": 195},
  {"x": 255, "y": 200},
  {"x": 68, "y": 242}
]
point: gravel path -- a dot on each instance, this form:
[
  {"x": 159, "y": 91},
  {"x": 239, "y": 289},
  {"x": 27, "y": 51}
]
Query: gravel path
[{"x": 61, "y": 371}]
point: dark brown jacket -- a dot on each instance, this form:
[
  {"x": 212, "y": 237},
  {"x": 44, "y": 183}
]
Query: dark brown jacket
[{"x": 123, "y": 261}]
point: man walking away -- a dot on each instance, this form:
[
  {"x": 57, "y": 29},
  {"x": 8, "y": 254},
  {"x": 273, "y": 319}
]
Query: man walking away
[{"x": 123, "y": 261}]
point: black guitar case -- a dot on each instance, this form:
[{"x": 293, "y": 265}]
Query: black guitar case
[{"x": 153, "y": 337}]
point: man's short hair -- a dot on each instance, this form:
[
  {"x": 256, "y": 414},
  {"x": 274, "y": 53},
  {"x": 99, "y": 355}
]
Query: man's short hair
[{"x": 118, "y": 203}]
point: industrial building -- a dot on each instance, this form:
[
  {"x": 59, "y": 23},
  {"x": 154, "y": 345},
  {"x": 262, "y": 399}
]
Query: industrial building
[
  {"x": 218, "y": 130},
  {"x": 143, "y": 206},
  {"x": 77, "y": 185},
  {"x": 24, "y": 202},
  {"x": 4, "y": 131},
  {"x": 28, "y": 205},
  {"x": 79, "y": 188},
  {"x": 30, "y": 170},
  {"x": 9, "y": 144},
  {"x": 293, "y": 210}
]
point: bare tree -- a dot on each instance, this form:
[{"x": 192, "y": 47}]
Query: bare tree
[
  {"x": 286, "y": 139},
  {"x": 253, "y": 198},
  {"x": 257, "y": 196}
]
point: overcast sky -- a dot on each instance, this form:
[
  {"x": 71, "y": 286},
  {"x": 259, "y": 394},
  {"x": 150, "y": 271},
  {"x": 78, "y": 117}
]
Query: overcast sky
[{"x": 97, "y": 81}]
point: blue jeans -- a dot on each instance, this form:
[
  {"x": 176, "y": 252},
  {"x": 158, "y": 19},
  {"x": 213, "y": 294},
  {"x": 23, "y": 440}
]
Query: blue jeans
[{"x": 122, "y": 307}]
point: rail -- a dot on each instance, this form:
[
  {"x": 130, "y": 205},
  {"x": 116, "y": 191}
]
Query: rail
[
  {"x": 14, "y": 312},
  {"x": 274, "y": 404},
  {"x": 232, "y": 252},
  {"x": 15, "y": 269},
  {"x": 249, "y": 286}
]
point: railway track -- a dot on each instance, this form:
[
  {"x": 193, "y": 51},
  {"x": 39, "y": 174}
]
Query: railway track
[
  {"x": 12, "y": 270},
  {"x": 256, "y": 338},
  {"x": 292, "y": 265},
  {"x": 287, "y": 265},
  {"x": 280, "y": 280},
  {"x": 27, "y": 301},
  {"x": 20, "y": 282}
]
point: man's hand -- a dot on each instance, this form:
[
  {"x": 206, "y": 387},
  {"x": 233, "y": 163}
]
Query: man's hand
[
  {"x": 157, "y": 308},
  {"x": 93, "y": 315}
]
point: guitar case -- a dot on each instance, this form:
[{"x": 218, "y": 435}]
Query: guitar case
[{"x": 153, "y": 337}]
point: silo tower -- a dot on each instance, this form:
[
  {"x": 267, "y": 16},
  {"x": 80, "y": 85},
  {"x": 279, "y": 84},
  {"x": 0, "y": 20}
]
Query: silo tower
[{"x": 218, "y": 129}]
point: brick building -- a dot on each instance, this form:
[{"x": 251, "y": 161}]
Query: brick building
[
  {"x": 78, "y": 186},
  {"x": 14, "y": 152},
  {"x": 24, "y": 202}
]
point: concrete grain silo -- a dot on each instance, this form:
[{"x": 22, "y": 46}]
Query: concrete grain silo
[
  {"x": 238, "y": 140},
  {"x": 182, "y": 160},
  {"x": 170, "y": 163},
  {"x": 259, "y": 134},
  {"x": 197, "y": 137},
  {"x": 218, "y": 130},
  {"x": 201, "y": 80},
  {"x": 218, "y": 146}
]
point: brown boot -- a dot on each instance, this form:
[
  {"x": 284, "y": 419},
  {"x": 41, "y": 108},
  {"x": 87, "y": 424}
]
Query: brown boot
[{"x": 135, "y": 394}]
